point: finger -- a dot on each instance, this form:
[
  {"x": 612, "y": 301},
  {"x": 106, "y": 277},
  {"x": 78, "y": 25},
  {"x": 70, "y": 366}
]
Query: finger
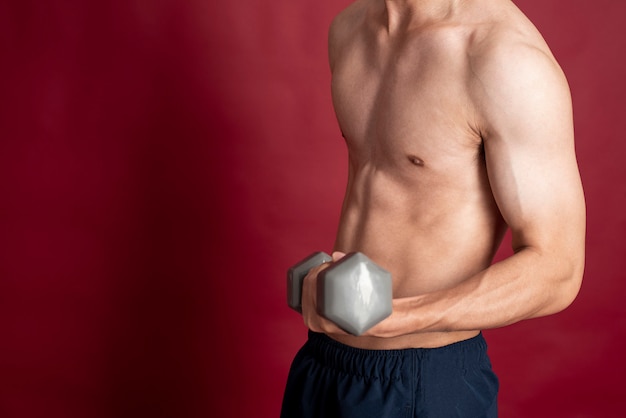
[
  {"x": 318, "y": 323},
  {"x": 316, "y": 270}
]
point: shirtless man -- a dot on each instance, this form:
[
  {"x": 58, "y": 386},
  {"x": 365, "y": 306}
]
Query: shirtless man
[{"x": 458, "y": 123}]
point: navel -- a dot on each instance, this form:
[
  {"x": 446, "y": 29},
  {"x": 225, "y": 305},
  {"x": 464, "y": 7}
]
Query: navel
[{"x": 416, "y": 160}]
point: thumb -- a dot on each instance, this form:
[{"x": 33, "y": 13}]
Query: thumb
[{"x": 338, "y": 255}]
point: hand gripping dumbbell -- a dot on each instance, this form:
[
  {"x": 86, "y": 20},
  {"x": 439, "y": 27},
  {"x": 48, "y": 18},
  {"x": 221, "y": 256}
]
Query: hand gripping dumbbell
[{"x": 355, "y": 293}]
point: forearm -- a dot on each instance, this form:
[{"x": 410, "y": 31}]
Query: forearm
[{"x": 526, "y": 285}]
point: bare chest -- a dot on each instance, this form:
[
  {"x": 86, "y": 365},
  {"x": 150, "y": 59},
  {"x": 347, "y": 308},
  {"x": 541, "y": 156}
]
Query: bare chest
[{"x": 404, "y": 102}]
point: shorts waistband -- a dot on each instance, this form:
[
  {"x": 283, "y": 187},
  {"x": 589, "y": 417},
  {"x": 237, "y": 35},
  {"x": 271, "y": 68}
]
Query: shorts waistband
[{"x": 390, "y": 364}]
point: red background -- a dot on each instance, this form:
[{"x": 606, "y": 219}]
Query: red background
[{"x": 162, "y": 163}]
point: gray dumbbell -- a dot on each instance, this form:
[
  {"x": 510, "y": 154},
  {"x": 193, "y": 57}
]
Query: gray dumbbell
[
  {"x": 296, "y": 275},
  {"x": 355, "y": 293}
]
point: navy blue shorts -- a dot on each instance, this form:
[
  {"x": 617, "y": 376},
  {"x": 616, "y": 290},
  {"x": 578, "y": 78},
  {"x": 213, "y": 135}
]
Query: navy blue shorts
[{"x": 332, "y": 380}]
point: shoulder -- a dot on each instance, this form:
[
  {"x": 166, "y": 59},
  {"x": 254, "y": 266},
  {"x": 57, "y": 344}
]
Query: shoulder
[
  {"x": 513, "y": 70},
  {"x": 344, "y": 26},
  {"x": 349, "y": 17},
  {"x": 502, "y": 50}
]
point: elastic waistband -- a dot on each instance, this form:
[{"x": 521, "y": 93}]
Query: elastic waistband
[
  {"x": 390, "y": 364},
  {"x": 322, "y": 340}
]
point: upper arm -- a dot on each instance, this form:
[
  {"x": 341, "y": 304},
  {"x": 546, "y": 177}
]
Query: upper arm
[{"x": 525, "y": 118}]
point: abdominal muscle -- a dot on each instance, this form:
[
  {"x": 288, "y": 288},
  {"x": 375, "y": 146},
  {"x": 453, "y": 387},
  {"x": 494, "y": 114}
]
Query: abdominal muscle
[{"x": 429, "y": 237}]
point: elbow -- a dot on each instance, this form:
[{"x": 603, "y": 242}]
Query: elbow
[
  {"x": 567, "y": 293},
  {"x": 567, "y": 287}
]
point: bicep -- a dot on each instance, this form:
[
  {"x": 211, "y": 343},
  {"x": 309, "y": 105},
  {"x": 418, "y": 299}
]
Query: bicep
[{"x": 530, "y": 157}]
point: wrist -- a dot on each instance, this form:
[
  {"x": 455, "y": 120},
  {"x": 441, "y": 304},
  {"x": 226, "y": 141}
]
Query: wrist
[{"x": 404, "y": 319}]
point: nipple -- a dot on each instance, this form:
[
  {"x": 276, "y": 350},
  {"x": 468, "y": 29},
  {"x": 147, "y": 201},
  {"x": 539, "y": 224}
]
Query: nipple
[{"x": 416, "y": 160}]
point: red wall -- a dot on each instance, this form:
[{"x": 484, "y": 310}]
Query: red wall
[{"x": 163, "y": 162}]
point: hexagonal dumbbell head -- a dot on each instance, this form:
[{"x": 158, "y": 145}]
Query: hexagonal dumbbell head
[
  {"x": 296, "y": 275},
  {"x": 355, "y": 293}
]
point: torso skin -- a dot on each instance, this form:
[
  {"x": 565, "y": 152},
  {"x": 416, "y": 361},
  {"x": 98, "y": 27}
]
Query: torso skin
[{"x": 438, "y": 167}]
